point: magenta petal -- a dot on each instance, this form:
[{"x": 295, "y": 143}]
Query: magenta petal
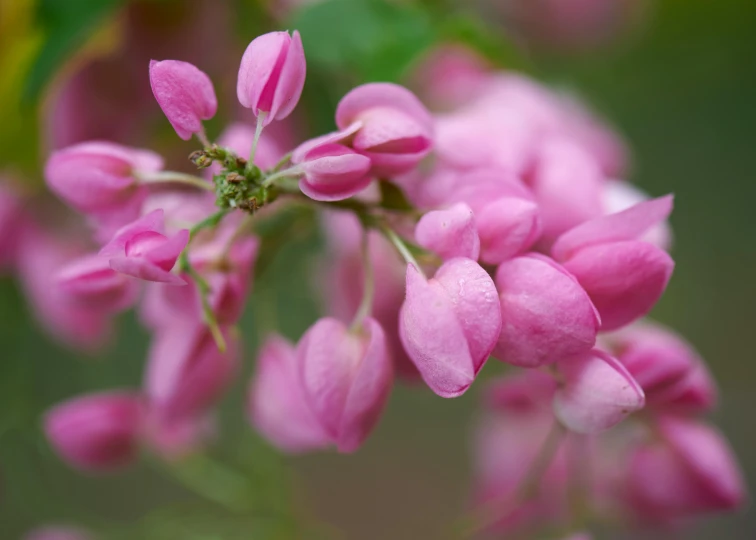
[
  {"x": 96, "y": 432},
  {"x": 388, "y": 95},
  {"x": 475, "y": 303},
  {"x": 291, "y": 80},
  {"x": 184, "y": 93},
  {"x": 507, "y": 227},
  {"x": 299, "y": 153},
  {"x": 167, "y": 252},
  {"x": 369, "y": 390},
  {"x": 597, "y": 392},
  {"x": 277, "y": 406},
  {"x": 257, "y": 66},
  {"x": 434, "y": 338},
  {"x": 91, "y": 282},
  {"x": 629, "y": 224},
  {"x": 334, "y": 172},
  {"x": 145, "y": 270},
  {"x": 450, "y": 233},
  {"x": 152, "y": 222},
  {"x": 546, "y": 314},
  {"x": 623, "y": 279}
]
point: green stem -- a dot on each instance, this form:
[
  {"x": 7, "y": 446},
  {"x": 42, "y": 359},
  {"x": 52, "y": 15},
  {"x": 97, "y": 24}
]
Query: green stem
[
  {"x": 368, "y": 291},
  {"x": 258, "y": 132},
  {"x": 400, "y": 246},
  {"x": 172, "y": 177},
  {"x": 202, "y": 286},
  {"x": 286, "y": 173},
  {"x": 202, "y": 138}
]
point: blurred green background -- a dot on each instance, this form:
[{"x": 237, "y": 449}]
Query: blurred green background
[{"x": 681, "y": 88}]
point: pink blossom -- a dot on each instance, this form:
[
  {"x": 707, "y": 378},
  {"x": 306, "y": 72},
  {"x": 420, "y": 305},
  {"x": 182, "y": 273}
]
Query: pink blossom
[
  {"x": 690, "y": 470},
  {"x": 395, "y": 129},
  {"x": 449, "y": 324},
  {"x": 672, "y": 375},
  {"x": 332, "y": 172},
  {"x": 596, "y": 392},
  {"x": 226, "y": 265},
  {"x": 142, "y": 251},
  {"x": 567, "y": 183},
  {"x": 623, "y": 276},
  {"x": 345, "y": 283},
  {"x": 91, "y": 282},
  {"x": 277, "y": 405},
  {"x": 618, "y": 196},
  {"x": 96, "y": 432},
  {"x": 40, "y": 256},
  {"x": 185, "y": 94},
  {"x": 346, "y": 378},
  {"x": 100, "y": 177},
  {"x": 272, "y": 75},
  {"x": 186, "y": 373},
  {"x": 450, "y": 233},
  {"x": 546, "y": 314},
  {"x": 450, "y": 75}
]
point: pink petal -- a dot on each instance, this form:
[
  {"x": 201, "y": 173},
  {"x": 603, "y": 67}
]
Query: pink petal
[
  {"x": 597, "y": 392},
  {"x": 261, "y": 59},
  {"x": 629, "y": 224},
  {"x": 152, "y": 222},
  {"x": 291, "y": 81},
  {"x": 373, "y": 95},
  {"x": 450, "y": 233},
  {"x": 623, "y": 279},
  {"x": 507, "y": 227}
]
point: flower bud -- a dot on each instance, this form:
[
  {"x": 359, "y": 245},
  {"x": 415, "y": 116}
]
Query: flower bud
[
  {"x": 186, "y": 373},
  {"x": 449, "y": 324},
  {"x": 272, "y": 75},
  {"x": 40, "y": 256},
  {"x": 450, "y": 233},
  {"x": 346, "y": 377},
  {"x": 567, "y": 183},
  {"x": 91, "y": 283},
  {"x": 100, "y": 177},
  {"x": 623, "y": 276},
  {"x": 546, "y": 314},
  {"x": 395, "y": 129},
  {"x": 96, "y": 432},
  {"x": 596, "y": 392},
  {"x": 142, "y": 251},
  {"x": 689, "y": 471},
  {"x": 672, "y": 375},
  {"x": 185, "y": 94},
  {"x": 278, "y": 407},
  {"x": 507, "y": 227},
  {"x": 332, "y": 172}
]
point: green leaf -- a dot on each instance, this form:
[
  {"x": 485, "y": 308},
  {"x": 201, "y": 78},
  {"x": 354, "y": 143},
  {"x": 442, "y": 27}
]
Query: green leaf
[
  {"x": 67, "y": 25},
  {"x": 374, "y": 39}
]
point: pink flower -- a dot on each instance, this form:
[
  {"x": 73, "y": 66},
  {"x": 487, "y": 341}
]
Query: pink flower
[
  {"x": 277, "y": 405},
  {"x": 507, "y": 217},
  {"x": 346, "y": 377},
  {"x": 91, "y": 283},
  {"x": 450, "y": 233},
  {"x": 546, "y": 314},
  {"x": 618, "y": 196},
  {"x": 596, "y": 392},
  {"x": 567, "y": 183},
  {"x": 142, "y": 251},
  {"x": 184, "y": 93},
  {"x": 100, "y": 177},
  {"x": 449, "y": 324},
  {"x": 345, "y": 283},
  {"x": 689, "y": 471},
  {"x": 40, "y": 256},
  {"x": 394, "y": 129},
  {"x": 96, "y": 432},
  {"x": 672, "y": 375},
  {"x": 450, "y": 75},
  {"x": 332, "y": 172},
  {"x": 186, "y": 373},
  {"x": 272, "y": 75},
  {"x": 226, "y": 265},
  {"x": 623, "y": 276}
]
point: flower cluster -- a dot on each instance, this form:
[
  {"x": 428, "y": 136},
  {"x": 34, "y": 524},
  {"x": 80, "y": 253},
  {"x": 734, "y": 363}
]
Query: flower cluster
[{"x": 496, "y": 229}]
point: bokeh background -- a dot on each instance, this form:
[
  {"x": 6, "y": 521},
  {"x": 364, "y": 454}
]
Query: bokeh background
[{"x": 679, "y": 81}]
